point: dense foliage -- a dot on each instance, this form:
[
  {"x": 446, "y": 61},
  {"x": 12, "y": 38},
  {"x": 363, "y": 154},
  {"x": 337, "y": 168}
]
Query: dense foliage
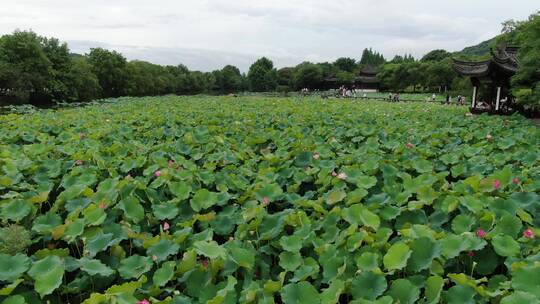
[
  {"x": 236, "y": 200},
  {"x": 526, "y": 83}
]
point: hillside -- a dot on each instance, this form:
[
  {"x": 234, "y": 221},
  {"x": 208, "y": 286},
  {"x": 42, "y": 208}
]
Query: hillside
[{"x": 480, "y": 49}]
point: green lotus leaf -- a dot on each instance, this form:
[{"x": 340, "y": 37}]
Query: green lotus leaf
[
  {"x": 474, "y": 204},
  {"x": 12, "y": 266},
  {"x": 331, "y": 294},
  {"x": 222, "y": 294},
  {"x": 132, "y": 208},
  {"x": 16, "y": 299},
  {"x": 163, "y": 249},
  {"x": 422, "y": 166},
  {"x": 509, "y": 225},
  {"x": 203, "y": 199},
  {"x": 310, "y": 268},
  {"x": 463, "y": 223},
  {"x": 527, "y": 279},
  {"x": 300, "y": 293},
  {"x": 505, "y": 245},
  {"x": 403, "y": 291},
  {"x": 335, "y": 196},
  {"x": 290, "y": 261},
  {"x": 134, "y": 266},
  {"x": 94, "y": 215},
  {"x": 291, "y": 243},
  {"x": 210, "y": 249},
  {"x": 95, "y": 267},
  {"x": 368, "y": 261},
  {"x": 368, "y": 285},
  {"x": 434, "y": 287},
  {"x": 47, "y": 274},
  {"x": 424, "y": 250},
  {"x": 181, "y": 190},
  {"x": 356, "y": 196},
  {"x": 303, "y": 159},
  {"x": 15, "y": 210},
  {"x": 524, "y": 199},
  {"x": 460, "y": 294},
  {"x": 165, "y": 211},
  {"x": 241, "y": 256},
  {"x": 164, "y": 274},
  {"x": 73, "y": 230},
  {"x": 271, "y": 226},
  {"x": 366, "y": 182},
  {"x": 452, "y": 245},
  {"x": 272, "y": 191},
  {"x": 98, "y": 243},
  {"x": 360, "y": 215},
  {"x": 519, "y": 297},
  {"x": 8, "y": 289},
  {"x": 45, "y": 224},
  {"x": 396, "y": 257}
]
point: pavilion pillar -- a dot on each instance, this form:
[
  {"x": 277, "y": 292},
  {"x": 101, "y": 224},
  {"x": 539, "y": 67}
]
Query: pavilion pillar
[
  {"x": 473, "y": 105},
  {"x": 498, "y": 99}
]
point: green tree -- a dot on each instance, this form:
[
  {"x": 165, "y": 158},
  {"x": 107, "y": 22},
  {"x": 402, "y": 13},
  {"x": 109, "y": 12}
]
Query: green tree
[
  {"x": 307, "y": 75},
  {"x": 231, "y": 79},
  {"x": 372, "y": 58},
  {"x": 110, "y": 68},
  {"x": 526, "y": 83},
  {"x": 345, "y": 64},
  {"x": 262, "y": 76},
  {"x": 344, "y": 77},
  {"x": 436, "y": 55},
  {"x": 25, "y": 70},
  {"x": 440, "y": 75},
  {"x": 82, "y": 84}
]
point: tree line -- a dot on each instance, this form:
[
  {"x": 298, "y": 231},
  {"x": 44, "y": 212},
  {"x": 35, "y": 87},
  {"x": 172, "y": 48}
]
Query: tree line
[{"x": 40, "y": 70}]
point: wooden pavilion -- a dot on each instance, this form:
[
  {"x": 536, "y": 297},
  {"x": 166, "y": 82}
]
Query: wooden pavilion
[
  {"x": 366, "y": 81},
  {"x": 491, "y": 80}
]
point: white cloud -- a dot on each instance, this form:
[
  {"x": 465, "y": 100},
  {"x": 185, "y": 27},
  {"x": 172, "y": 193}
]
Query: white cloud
[{"x": 207, "y": 34}]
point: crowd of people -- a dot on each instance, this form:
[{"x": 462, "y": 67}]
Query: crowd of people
[{"x": 351, "y": 92}]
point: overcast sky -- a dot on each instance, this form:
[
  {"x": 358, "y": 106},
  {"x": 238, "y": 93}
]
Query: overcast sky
[{"x": 208, "y": 34}]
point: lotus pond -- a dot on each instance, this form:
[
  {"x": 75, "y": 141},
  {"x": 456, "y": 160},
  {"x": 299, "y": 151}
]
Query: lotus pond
[{"x": 268, "y": 200}]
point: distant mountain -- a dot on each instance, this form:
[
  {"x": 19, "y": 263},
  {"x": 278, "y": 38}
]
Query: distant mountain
[{"x": 479, "y": 50}]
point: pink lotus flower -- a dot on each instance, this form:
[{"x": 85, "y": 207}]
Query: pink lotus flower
[
  {"x": 481, "y": 233},
  {"x": 154, "y": 257},
  {"x": 157, "y": 173},
  {"x": 129, "y": 177},
  {"x": 409, "y": 145},
  {"x": 205, "y": 263},
  {"x": 316, "y": 156},
  {"x": 171, "y": 163},
  {"x": 102, "y": 205},
  {"x": 489, "y": 137},
  {"x": 166, "y": 226},
  {"x": 528, "y": 234},
  {"x": 266, "y": 200},
  {"x": 470, "y": 253},
  {"x": 334, "y": 174},
  {"x": 78, "y": 162},
  {"x": 145, "y": 301},
  {"x": 342, "y": 176},
  {"x": 497, "y": 184},
  {"x": 515, "y": 180}
]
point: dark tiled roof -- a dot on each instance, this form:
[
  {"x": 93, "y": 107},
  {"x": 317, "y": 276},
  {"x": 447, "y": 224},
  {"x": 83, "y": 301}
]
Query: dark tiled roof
[{"x": 503, "y": 60}]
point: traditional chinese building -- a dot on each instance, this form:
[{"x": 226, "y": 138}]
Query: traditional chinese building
[
  {"x": 491, "y": 80},
  {"x": 366, "y": 80}
]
